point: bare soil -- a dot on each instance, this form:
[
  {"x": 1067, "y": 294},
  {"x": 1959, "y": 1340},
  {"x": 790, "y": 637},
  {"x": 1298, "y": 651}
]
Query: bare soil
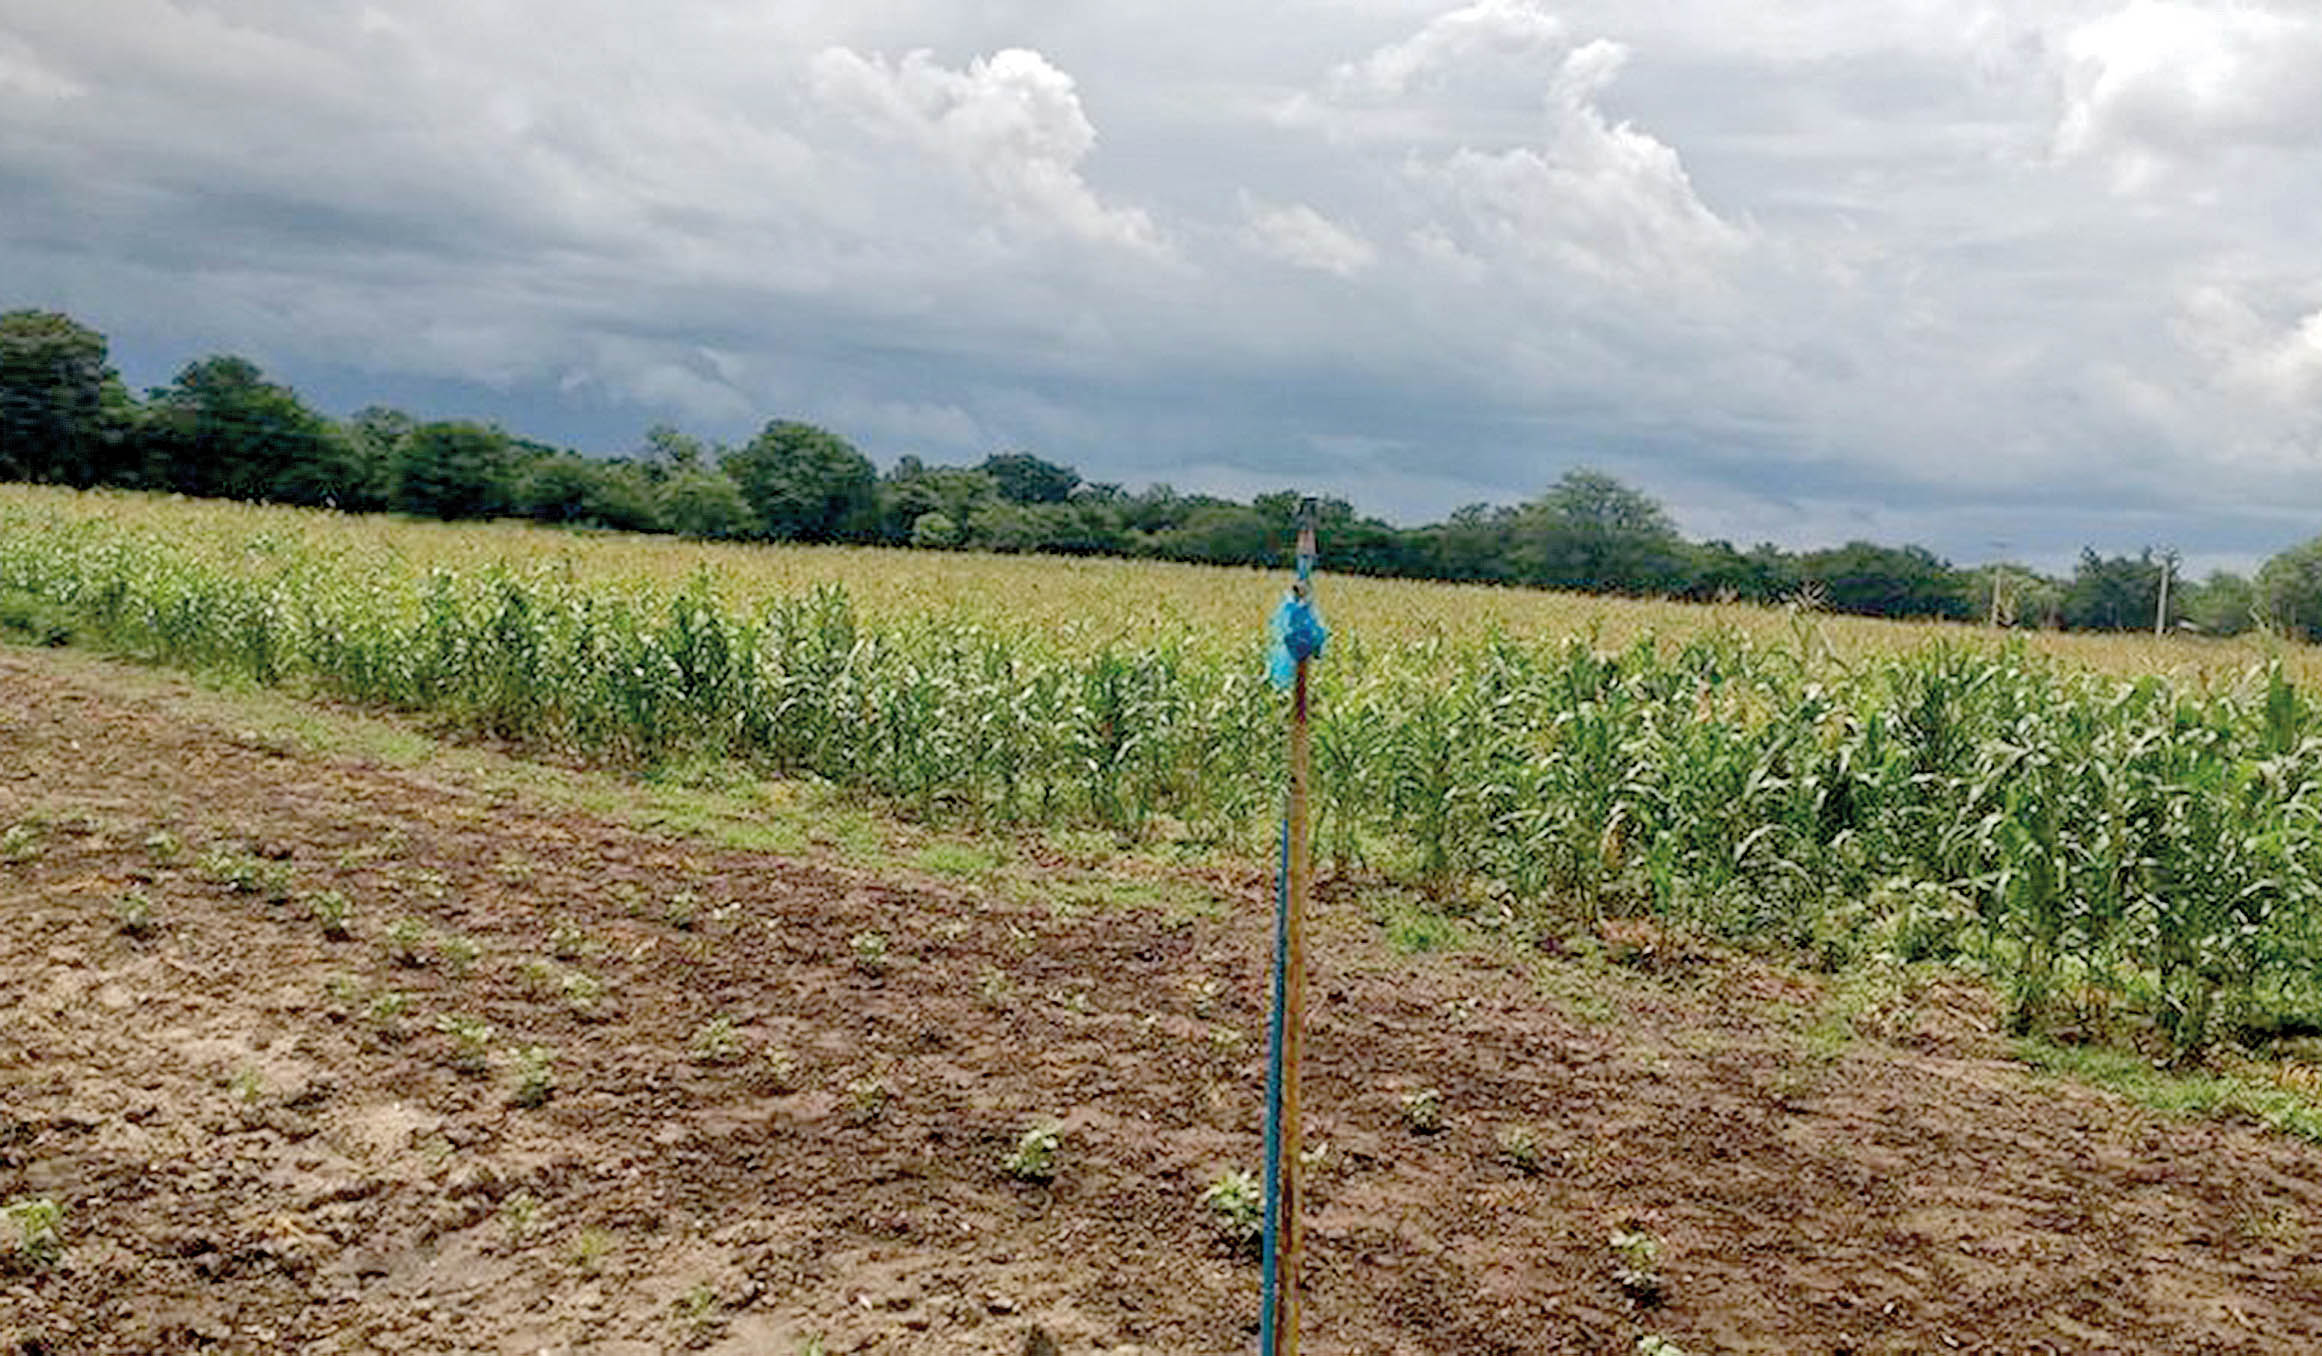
[{"x": 253, "y": 1151}]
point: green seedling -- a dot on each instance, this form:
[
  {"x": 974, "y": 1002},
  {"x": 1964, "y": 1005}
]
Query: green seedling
[
  {"x": 681, "y": 910},
  {"x": 1236, "y": 1205},
  {"x": 459, "y": 953},
  {"x": 133, "y": 914},
  {"x": 20, "y": 843},
  {"x": 535, "y": 1076},
  {"x": 870, "y": 1097},
  {"x": 407, "y": 942},
  {"x": 589, "y": 1249},
  {"x": 583, "y": 992},
  {"x": 164, "y": 847},
  {"x": 1034, "y": 1158},
  {"x": 715, "y": 1042},
  {"x": 31, "y": 1233},
  {"x": 870, "y": 950},
  {"x": 471, "y": 1042},
  {"x": 1423, "y": 1111},
  {"x": 519, "y": 1213},
  {"x": 1520, "y": 1147},
  {"x": 567, "y": 942},
  {"x": 1637, "y": 1269},
  {"x": 333, "y": 913}
]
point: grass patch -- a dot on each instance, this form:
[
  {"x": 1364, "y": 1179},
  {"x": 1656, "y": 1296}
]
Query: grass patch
[
  {"x": 2185, "y": 1094},
  {"x": 959, "y": 861},
  {"x": 1412, "y": 927}
]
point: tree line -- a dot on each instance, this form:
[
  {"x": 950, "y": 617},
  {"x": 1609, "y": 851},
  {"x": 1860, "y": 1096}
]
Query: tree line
[{"x": 222, "y": 429}]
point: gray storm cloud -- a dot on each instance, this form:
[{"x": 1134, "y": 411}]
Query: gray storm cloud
[{"x": 1917, "y": 269}]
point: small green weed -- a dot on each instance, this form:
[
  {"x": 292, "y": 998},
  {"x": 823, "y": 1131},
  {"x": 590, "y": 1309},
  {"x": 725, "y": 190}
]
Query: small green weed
[
  {"x": 870, "y": 950},
  {"x": 1237, "y": 1205},
  {"x": 1637, "y": 1255},
  {"x": 460, "y": 953},
  {"x": 133, "y": 914},
  {"x": 870, "y": 1097},
  {"x": 1520, "y": 1147},
  {"x": 164, "y": 847},
  {"x": 1034, "y": 1158},
  {"x": 406, "y": 942},
  {"x": 714, "y": 1042},
  {"x": 589, "y": 1249},
  {"x": 1423, "y": 1111},
  {"x": 584, "y": 993},
  {"x": 535, "y": 1076},
  {"x": 35, "y": 620},
  {"x": 31, "y": 1233},
  {"x": 471, "y": 1042},
  {"x": 333, "y": 913},
  {"x": 21, "y": 843},
  {"x": 961, "y": 861}
]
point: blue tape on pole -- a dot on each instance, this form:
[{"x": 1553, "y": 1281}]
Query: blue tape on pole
[{"x": 1298, "y": 633}]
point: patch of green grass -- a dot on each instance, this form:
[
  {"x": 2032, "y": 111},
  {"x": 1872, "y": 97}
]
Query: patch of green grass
[
  {"x": 959, "y": 861},
  {"x": 2186, "y": 1094},
  {"x": 32, "y": 619},
  {"x": 1413, "y": 928}
]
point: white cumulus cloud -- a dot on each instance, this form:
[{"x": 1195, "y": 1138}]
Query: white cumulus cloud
[
  {"x": 1298, "y": 235},
  {"x": 2160, "y": 82},
  {"x": 1011, "y": 120}
]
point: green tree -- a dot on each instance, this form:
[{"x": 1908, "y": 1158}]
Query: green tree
[
  {"x": 63, "y": 410},
  {"x": 456, "y": 469},
  {"x": 1590, "y": 531},
  {"x": 2224, "y": 604},
  {"x": 566, "y": 487},
  {"x": 221, "y": 429},
  {"x": 669, "y": 451},
  {"x": 2289, "y": 590},
  {"x": 706, "y": 505},
  {"x": 804, "y": 483},
  {"x": 1887, "y": 581},
  {"x": 374, "y": 437},
  {"x": 913, "y": 490},
  {"x": 2113, "y": 594},
  {"x": 935, "y": 531},
  {"x": 1025, "y": 479}
]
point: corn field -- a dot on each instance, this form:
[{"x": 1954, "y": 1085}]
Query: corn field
[{"x": 2142, "y": 841}]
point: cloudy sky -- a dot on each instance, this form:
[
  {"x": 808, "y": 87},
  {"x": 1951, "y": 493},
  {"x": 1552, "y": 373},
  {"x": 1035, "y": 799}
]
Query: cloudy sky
[{"x": 1998, "y": 276}]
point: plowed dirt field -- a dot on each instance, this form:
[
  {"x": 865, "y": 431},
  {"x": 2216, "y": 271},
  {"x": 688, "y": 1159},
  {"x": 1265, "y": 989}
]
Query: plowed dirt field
[{"x": 780, "y": 1091}]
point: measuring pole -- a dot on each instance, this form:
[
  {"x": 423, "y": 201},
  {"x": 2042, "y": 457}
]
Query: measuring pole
[
  {"x": 1278, "y": 1324},
  {"x": 2161, "y": 610}
]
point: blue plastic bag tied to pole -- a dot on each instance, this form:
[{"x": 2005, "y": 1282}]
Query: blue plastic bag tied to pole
[{"x": 1298, "y": 633}]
